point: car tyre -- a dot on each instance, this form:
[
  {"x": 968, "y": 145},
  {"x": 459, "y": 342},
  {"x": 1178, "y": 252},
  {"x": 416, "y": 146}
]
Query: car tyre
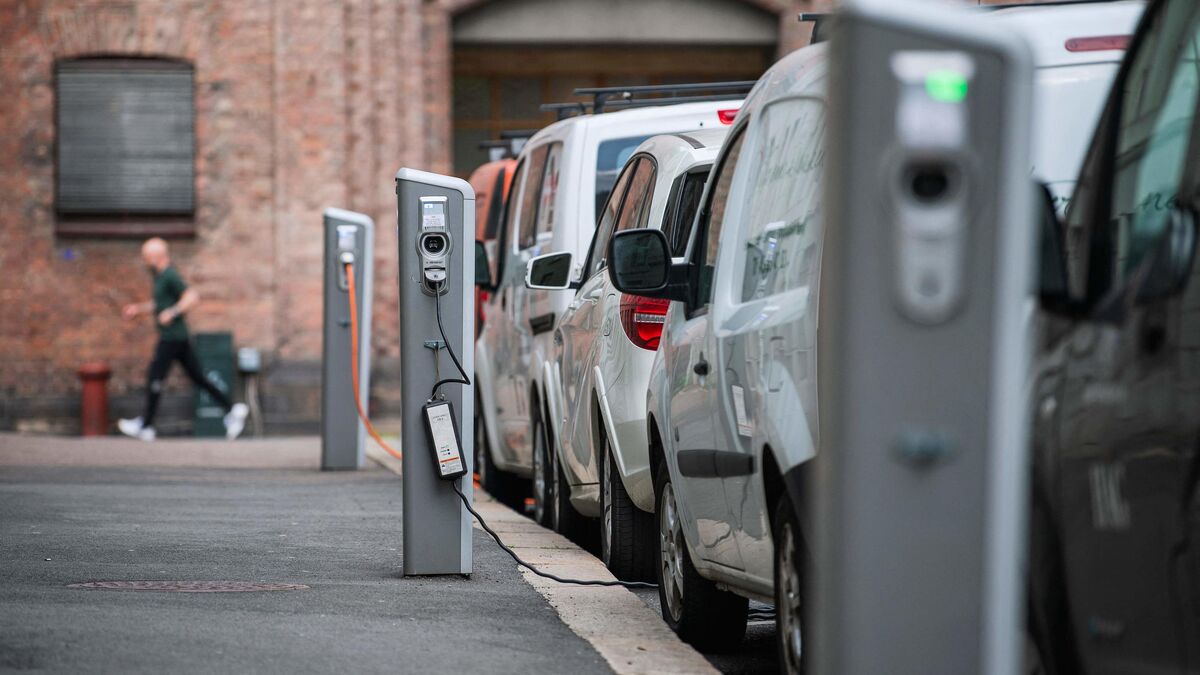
[
  {"x": 701, "y": 614},
  {"x": 567, "y": 521},
  {"x": 543, "y": 476},
  {"x": 503, "y": 486},
  {"x": 789, "y": 587},
  {"x": 627, "y": 533}
]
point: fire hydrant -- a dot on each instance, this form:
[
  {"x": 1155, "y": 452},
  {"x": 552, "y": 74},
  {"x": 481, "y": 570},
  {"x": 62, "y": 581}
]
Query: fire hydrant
[{"x": 93, "y": 406}]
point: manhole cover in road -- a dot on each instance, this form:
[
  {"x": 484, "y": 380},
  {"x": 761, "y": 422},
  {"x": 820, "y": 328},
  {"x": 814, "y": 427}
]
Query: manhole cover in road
[{"x": 188, "y": 586}]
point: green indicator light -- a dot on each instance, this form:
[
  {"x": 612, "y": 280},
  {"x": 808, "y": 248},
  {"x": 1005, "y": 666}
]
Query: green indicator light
[{"x": 946, "y": 86}]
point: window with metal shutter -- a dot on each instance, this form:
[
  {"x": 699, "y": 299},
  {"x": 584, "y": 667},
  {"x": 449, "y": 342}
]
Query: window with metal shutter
[{"x": 126, "y": 137}]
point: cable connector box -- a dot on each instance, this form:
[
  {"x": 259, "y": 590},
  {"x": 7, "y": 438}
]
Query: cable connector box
[{"x": 441, "y": 428}]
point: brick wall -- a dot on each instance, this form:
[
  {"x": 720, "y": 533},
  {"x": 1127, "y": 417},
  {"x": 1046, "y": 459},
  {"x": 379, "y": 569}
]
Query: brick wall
[{"x": 300, "y": 104}]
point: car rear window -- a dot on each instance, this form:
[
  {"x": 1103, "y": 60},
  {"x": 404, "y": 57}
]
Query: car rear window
[
  {"x": 611, "y": 156},
  {"x": 677, "y": 224}
]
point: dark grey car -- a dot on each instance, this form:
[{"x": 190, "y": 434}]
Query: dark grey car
[{"x": 1115, "y": 538}]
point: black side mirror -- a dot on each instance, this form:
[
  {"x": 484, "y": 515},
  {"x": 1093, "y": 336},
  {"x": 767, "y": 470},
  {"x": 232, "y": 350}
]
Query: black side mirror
[
  {"x": 483, "y": 274},
  {"x": 1167, "y": 267},
  {"x": 549, "y": 272},
  {"x": 1054, "y": 291},
  {"x": 639, "y": 263}
]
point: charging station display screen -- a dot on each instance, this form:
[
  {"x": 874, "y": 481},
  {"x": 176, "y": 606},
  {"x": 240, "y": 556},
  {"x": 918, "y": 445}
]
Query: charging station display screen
[
  {"x": 433, "y": 215},
  {"x": 447, "y": 454}
]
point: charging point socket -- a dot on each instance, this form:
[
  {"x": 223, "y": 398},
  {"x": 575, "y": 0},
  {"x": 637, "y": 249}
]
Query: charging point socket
[{"x": 931, "y": 183}]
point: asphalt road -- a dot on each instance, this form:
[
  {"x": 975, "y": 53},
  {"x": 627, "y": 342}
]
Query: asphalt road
[{"x": 338, "y": 533}]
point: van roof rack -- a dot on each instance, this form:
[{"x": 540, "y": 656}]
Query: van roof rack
[
  {"x": 508, "y": 145},
  {"x": 642, "y": 96},
  {"x": 821, "y": 20}
]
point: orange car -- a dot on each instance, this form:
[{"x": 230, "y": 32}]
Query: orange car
[{"x": 490, "y": 182}]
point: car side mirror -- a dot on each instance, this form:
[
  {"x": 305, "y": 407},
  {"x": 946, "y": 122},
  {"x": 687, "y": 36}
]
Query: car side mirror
[
  {"x": 1054, "y": 291},
  {"x": 550, "y": 272},
  {"x": 483, "y": 267},
  {"x": 639, "y": 263},
  {"x": 1166, "y": 269}
]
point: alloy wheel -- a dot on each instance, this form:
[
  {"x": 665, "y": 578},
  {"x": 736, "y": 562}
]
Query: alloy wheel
[
  {"x": 791, "y": 601},
  {"x": 670, "y": 546}
]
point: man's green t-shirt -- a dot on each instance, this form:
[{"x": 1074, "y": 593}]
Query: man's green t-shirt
[{"x": 168, "y": 288}]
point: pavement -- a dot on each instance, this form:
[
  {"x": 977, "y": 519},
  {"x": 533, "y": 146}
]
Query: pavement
[{"x": 74, "y": 511}]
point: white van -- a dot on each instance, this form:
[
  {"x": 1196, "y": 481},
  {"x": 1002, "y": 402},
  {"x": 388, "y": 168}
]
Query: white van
[
  {"x": 563, "y": 177},
  {"x": 732, "y": 401}
]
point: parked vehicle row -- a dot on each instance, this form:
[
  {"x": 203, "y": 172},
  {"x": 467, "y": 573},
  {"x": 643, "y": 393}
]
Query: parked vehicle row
[
  {"x": 563, "y": 179},
  {"x": 657, "y": 372}
]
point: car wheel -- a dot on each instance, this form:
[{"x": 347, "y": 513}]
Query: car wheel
[
  {"x": 626, "y": 532},
  {"x": 503, "y": 486},
  {"x": 543, "y": 485},
  {"x": 789, "y": 587},
  {"x": 567, "y": 521},
  {"x": 701, "y": 614}
]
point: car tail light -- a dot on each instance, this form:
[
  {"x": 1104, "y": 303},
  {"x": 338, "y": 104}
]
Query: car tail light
[
  {"x": 643, "y": 319},
  {"x": 727, "y": 116},
  {"x": 1101, "y": 43}
]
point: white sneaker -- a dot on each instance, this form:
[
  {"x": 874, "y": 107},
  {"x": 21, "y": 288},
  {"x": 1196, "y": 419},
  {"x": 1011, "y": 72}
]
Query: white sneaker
[
  {"x": 235, "y": 420},
  {"x": 131, "y": 427},
  {"x": 135, "y": 428}
]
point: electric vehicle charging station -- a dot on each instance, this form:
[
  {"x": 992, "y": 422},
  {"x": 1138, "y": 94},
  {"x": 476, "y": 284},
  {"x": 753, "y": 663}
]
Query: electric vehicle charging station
[
  {"x": 349, "y": 240},
  {"x": 436, "y": 234},
  {"x": 920, "y": 478}
]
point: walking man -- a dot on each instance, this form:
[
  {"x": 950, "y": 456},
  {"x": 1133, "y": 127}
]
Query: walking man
[{"x": 171, "y": 300}]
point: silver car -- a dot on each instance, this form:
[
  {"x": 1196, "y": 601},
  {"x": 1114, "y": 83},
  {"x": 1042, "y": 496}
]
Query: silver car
[{"x": 604, "y": 346}]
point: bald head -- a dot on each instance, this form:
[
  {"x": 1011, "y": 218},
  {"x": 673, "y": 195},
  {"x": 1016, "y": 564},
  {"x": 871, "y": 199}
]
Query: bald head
[{"x": 155, "y": 253}]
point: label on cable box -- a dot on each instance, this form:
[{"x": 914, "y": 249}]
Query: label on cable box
[{"x": 442, "y": 430}]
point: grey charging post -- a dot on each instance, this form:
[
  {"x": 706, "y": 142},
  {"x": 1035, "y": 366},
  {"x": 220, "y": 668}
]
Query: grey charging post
[
  {"x": 349, "y": 238},
  {"x": 920, "y": 478},
  {"x": 436, "y": 234}
]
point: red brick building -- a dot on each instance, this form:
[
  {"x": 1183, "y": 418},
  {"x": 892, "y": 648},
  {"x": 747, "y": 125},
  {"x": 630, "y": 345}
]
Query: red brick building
[{"x": 296, "y": 105}]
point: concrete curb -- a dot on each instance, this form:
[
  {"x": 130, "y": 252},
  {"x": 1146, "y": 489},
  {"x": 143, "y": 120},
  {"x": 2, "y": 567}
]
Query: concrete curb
[{"x": 630, "y": 636}]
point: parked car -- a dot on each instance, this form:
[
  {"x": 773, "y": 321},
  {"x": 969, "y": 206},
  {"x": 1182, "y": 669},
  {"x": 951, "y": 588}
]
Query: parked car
[
  {"x": 1115, "y": 518},
  {"x": 732, "y": 402},
  {"x": 491, "y": 182},
  {"x": 1077, "y": 50},
  {"x": 564, "y": 175},
  {"x": 595, "y": 382}
]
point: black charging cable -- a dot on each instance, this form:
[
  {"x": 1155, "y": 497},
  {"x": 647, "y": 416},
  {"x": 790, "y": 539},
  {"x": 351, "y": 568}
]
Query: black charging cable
[
  {"x": 531, "y": 568},
  {"x": 437, "y": 302}
]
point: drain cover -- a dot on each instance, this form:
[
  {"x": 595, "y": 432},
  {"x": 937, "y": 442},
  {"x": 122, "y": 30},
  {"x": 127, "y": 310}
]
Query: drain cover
[{"x": 188, "y": 586}]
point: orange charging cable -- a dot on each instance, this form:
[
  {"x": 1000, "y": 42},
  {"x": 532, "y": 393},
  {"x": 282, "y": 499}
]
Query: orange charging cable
[{"x": 362, "y": 412}]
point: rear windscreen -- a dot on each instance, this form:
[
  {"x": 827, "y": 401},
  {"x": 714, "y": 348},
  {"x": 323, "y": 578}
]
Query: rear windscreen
[
  {"x": 610, "y": 159},
  {"x": 680, "y": 214}
]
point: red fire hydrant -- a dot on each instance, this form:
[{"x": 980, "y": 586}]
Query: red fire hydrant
[{"x": 93, "y": 407}]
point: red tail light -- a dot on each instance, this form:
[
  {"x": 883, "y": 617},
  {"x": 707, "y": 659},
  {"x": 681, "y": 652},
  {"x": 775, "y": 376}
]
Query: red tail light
[
  {"x": 643, "y": 319},
  {"x": 1101, "y": 43},
  {"x": 727, "y": 116}
]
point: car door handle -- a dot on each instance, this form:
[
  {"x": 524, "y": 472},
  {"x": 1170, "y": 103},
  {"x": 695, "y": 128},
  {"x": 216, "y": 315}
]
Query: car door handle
[{"x": 701, "y": 367}]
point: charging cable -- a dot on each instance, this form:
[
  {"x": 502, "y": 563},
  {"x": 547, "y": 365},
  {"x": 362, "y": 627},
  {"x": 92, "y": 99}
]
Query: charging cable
[
  {"x": 466, "y": 381},
  {"x": 362, "y": 412},
  {"x": 531, "y": 568}
]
